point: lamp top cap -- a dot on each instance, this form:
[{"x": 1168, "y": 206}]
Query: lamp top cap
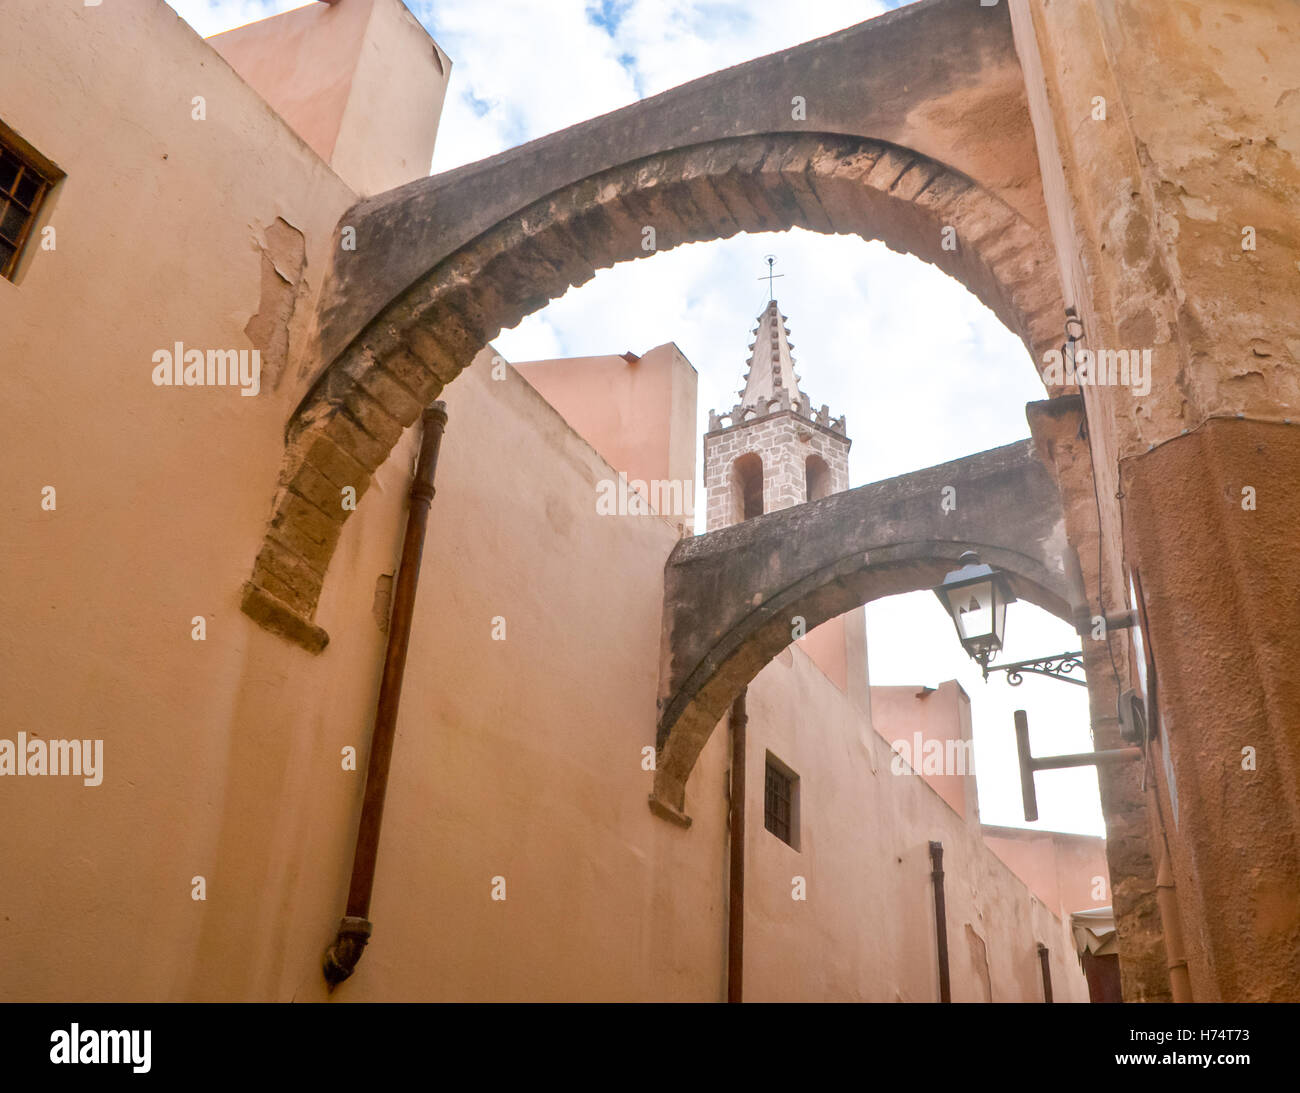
[{"x": 973, "y": 571}]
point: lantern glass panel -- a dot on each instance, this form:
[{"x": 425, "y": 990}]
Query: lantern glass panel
[
  {"x": 973, "y": 611},
  {"x": 976, "y": 599}
]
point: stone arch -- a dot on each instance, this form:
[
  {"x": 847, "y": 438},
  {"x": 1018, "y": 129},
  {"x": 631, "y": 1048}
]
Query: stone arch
[
  {"x": 732, "y": 597},
  {"x": 443, "y": 264}
]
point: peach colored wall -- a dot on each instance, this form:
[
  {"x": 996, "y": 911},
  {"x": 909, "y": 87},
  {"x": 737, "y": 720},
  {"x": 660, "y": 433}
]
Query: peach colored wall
[
  {"x": 941, "y": 714},
  {"x": 827, "y": 647},
  {"x": 639, "y": 415},
  {"x": 522, "y": 758},
  {"x": 866, "y": 930},
  {"x": 162, "y": 496},
  {"x": 1063, "y": 869},
  {"x": 360, "y": 81}
]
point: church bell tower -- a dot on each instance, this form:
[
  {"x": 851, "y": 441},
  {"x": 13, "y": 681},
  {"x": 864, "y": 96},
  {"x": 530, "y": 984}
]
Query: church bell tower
[{"x": 771, "y": 450}]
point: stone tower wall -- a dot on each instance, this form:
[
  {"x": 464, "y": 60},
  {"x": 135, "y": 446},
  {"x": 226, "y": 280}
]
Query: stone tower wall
[{"x": 783, "y": 441}]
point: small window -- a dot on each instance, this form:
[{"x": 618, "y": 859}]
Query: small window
[
  {"x": 25, "y": 178},
  {"x": 781, "y": 801}
]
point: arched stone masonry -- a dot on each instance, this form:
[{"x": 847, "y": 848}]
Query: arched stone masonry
[
  {"x": 356, "y": 412},
  {"x": 912, "y": 128},
  {"x": 731, "y": 597}
]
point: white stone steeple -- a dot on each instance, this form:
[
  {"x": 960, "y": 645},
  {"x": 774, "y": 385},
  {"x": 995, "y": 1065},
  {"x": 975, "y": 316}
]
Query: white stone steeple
[
  {"x": 770, "y": 368},
  {"x": 771, "y": 450}
]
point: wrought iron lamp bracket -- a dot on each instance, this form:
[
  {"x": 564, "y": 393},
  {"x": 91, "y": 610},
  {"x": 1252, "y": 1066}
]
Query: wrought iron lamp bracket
[{"x": 1058, "y": 666}]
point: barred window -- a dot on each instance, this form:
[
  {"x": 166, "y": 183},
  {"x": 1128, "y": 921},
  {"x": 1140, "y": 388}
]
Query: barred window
[
  {"x": 781, "y": 801},
  {"x": 25, "y": 178}
]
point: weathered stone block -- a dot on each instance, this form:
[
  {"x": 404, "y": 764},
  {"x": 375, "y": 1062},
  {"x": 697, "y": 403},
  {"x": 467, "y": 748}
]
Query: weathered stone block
[
  {"x": 374, "y": 417},
  {"x": 267, "y": 609},
  {"x": 353, "y": 440}
]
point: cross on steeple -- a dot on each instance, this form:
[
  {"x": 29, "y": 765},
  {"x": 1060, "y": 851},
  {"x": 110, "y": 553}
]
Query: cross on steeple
[
  {"x": 771, "y": 261},
  {"x": 771, "y": 450}
]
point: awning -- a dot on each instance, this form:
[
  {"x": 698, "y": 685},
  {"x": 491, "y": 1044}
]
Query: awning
[{"x": 1094, "y": 932}]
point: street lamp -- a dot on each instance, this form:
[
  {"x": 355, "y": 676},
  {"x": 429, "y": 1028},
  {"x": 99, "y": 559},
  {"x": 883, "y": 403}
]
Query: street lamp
[{"x": 976, "y": 597}]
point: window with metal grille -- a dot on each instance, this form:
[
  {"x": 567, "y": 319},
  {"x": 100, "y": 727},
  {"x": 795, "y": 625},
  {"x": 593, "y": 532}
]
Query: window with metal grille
[
  {"x": 25, "y": 178},
  {"x": 781, "y": 801}
]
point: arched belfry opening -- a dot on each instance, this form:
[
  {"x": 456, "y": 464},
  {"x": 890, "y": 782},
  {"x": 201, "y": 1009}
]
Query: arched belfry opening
[
  {"x": 747, "y": 487},
  {"x": 817, "y": 478}
]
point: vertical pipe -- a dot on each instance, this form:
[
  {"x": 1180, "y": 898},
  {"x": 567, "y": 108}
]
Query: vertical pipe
[
  {"x": 354, "y": 931},
  {"x": 1180, "y": 983},
  {"x": 1044, "y": 962},
  {"x": 940, "y": 920},
  {"x": 736, "y": 900}
]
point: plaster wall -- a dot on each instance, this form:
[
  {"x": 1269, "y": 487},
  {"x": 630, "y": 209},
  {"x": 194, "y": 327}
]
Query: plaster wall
[
  {"x": 522, "y": 758},
  {"x": 866, "y": 930},
  {"x": 639, "y": 415},
  {"x": 827, "y": 647},
  {"x": 360, "y": 81},
  {"x": 1061, "y": 869},
  {"x": 940, "y": 714},
  {"x": 161, "y": 494}
]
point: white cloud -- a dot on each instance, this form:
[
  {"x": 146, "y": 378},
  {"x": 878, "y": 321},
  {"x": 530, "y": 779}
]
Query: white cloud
[
  {"x": 532, "y": 69},
  {"x": 210, "y": 17}
]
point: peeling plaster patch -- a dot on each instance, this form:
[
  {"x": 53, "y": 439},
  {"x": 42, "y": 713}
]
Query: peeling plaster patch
[
  {"x": 383, "y": 605},
  {"x": 1288, "y": 106},
  {"x": 1246, "y": 383},
  {"x": 1170, "y": 228},
  {"x": 283, "y": 258},
  {"x": 1198, "y": 209},
  {"x": 1057, "y": 545}
]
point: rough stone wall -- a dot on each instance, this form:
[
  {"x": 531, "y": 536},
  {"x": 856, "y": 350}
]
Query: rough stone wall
[
  {"x": 783, "y": 441},
  {"x": 1182, "y": 197},
  {"x": 1057, "y": 428}
]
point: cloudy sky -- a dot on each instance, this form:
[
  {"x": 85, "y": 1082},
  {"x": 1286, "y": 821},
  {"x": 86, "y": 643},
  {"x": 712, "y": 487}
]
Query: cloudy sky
[{"x": 923, "y": 371}]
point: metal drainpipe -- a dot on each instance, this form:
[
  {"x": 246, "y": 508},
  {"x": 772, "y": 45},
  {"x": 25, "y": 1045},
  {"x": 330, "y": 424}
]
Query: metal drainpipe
[
  {"x": 354, "y": 931},
  {"x": 736, "y": 899},
  {"x": 1180, "y": 983},
  {"x": 940, "y": 920},
  {"x": 1045, "y": 966}
]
